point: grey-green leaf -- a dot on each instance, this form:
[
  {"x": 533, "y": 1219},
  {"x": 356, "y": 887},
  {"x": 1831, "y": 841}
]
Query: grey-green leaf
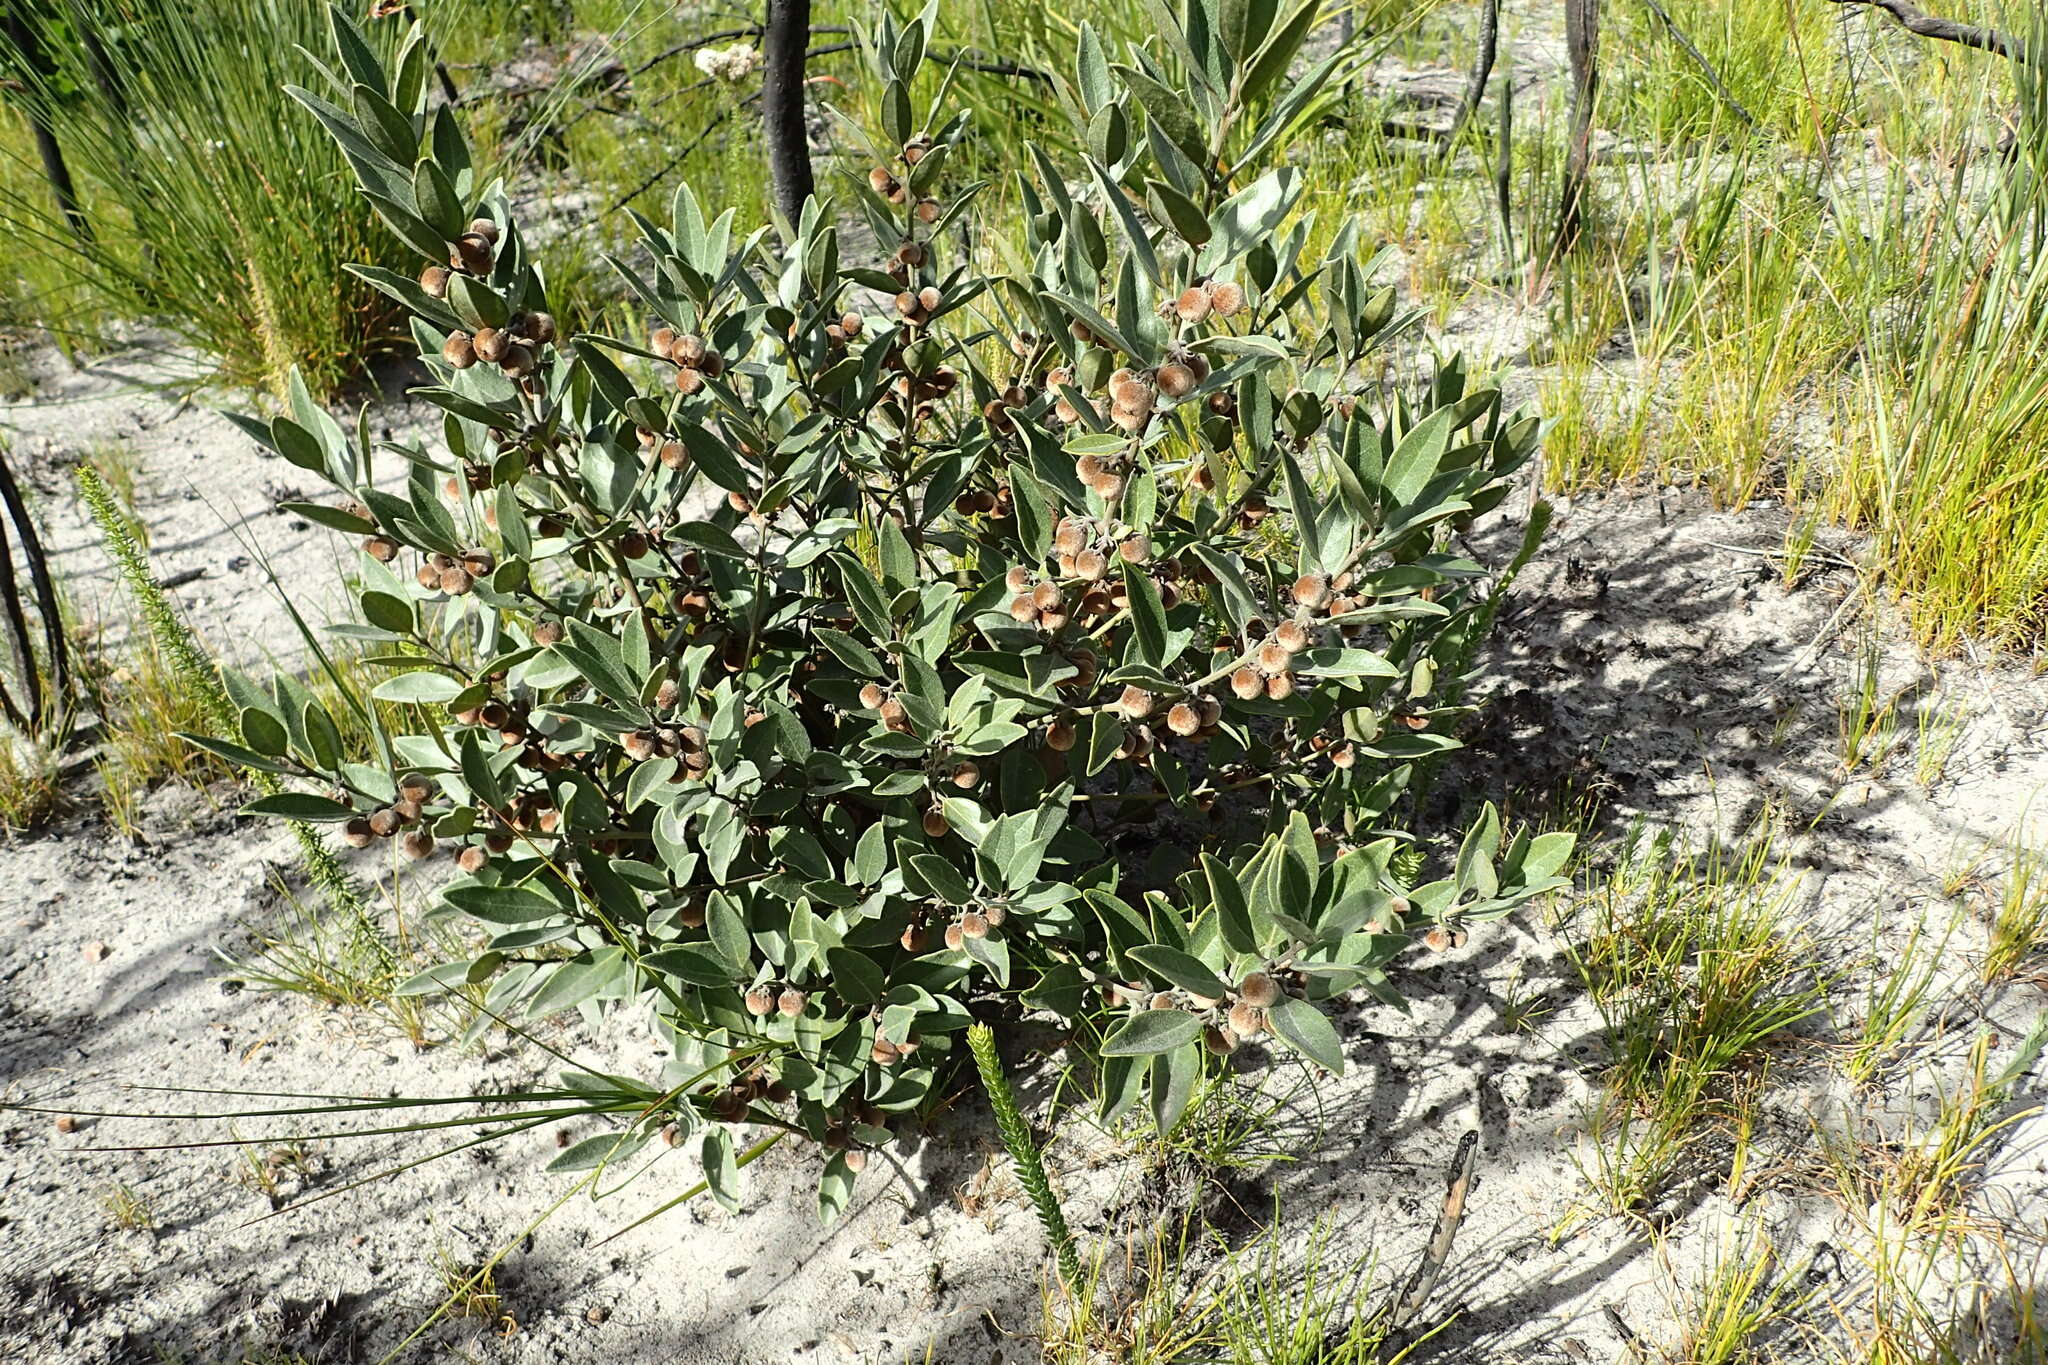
[{"x": 1152, "y": 1031}]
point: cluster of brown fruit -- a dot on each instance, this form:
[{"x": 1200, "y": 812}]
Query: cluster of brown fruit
[
  {"x": 684, "y": 743},
  {"x": 764, "y": 1000},
  {"x": 446, "y": 573},
  {"x": 883, "y": 181},
  {"x": 895, "y": 716},
  {"x": 1082, "y": 587},
  {"x": 729, "y": 1102},
  {"x": 996, "y": 411},
  {"x": 838, "y": 334},
  {"x": 695, "y": 359},
  {"x": 530, "y": 812},
  {"x": 476, "y": 250},
  {"x": 923, "y": 389},
  {"x": 1270, "y": 670},
  {"x": 1195, "y": 716},
  {"x": 986, "y": 502},
  {"x": 513, "y": 348},
  {"x": 475, "y": 478},
  {"x": 1133, "y": 395},
  {"x": 1243, "y": 1011},
  {"x": 1198, "y": 302},
  {"x": 405, "y": 813},
  {"x": 672, "y": 453},
  {"x": 886, "y": 1053},
  {"x": 968, "y": 924},
  {"x": 473, "y": 253},
  {"x": 511, "y": 722},
  {"x": 919, "y": 306}
]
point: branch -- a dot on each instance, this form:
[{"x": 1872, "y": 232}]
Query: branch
[
  {"x": 1947, "y": 30},
  {"x": 1482, "y": 67},
  {"x": 1582, "y": 48},
  {"x": 1415, "y": 1295}
]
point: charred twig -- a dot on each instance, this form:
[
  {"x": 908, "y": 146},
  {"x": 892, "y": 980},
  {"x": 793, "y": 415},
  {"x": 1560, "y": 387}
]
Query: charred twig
[
  {"x": 1504, "y": 172},
  {"x": 677, "y": 160},
  {"x": 1630, "y": 1342},
  {"x": 21, "y": 36},
  {"x": 17, "y": 638},
  {"x": 1416, "y": 132},
  {"x": 1582, "y": 44},
  {"x": 1948, "y": 30},
  {"x": 990, "y": 66},
  {"x": 45, "y": 588},
  {"x": 1422, "y": 1282},
  {"x": 707, "y": 39},
  {"x": 1699, "y": 59},
  {"x": 1482, "y": 67}
]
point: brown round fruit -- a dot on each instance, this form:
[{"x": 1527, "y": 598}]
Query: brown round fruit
[
  {"x": 472, "y": 253},
  {"x": 1258, "y": 990},
  {"x": 492, "y": 344}
]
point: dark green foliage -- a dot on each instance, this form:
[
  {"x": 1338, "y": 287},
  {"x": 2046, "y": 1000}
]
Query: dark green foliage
[{"x": 880, "y": 642}]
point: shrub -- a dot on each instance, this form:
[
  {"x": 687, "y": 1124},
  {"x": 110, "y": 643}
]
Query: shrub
[{"x": 873, "y": 647}]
